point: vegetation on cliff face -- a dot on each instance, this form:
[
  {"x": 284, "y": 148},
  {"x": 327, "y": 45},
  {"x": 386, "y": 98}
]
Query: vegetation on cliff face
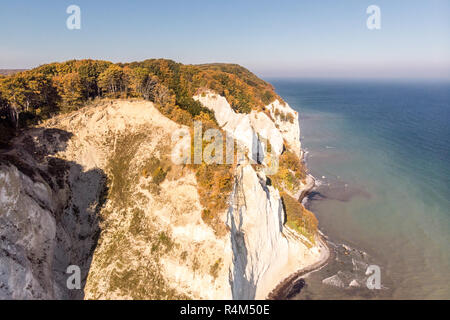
[
  {"x": 290, "y": 174},
  {"x": 299, "y": 218},
  {"x": 138, "y": 242},
  {"x": 215, "y": 183},
  {"x": 284, "y": 116},
  {"x": 129, "y": 231}
]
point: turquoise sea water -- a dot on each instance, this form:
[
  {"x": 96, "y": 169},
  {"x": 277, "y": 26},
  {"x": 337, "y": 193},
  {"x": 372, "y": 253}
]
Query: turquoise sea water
[{"x": 380, "y": 152}]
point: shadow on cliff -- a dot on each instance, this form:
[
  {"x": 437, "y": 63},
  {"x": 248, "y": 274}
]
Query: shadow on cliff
[
  {"x": 76, "y": 198},
  {"x": 243, "y": 286}
]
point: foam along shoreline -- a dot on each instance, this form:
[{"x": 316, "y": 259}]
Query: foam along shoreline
[
  {"x": 293, "y": 273},
  {"x": 293, "y": 283}
]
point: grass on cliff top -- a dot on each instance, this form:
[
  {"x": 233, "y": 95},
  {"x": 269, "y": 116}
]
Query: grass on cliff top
[
  {"x": 298, "y": 218},
  {"x": 43, "y": 92}
]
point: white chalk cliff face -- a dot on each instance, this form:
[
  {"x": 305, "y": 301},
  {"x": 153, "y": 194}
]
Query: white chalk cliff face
[
  {"x": 247, "y": 129},
  {"x": 265, "y": 251},
  {"x": 147, "y": 239},
  {"x": 44, "y": 225},
  {"x": 288, "y": 126}
]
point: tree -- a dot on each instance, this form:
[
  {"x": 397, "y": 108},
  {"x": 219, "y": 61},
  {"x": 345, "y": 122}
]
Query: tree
[
  {"x": 21, "y": 91},
  {"x": 88, "y": 73},
  {"x": 162, "y": 96},
  {"x": 149, "y": 87},
  {"x": 70, "y": 89},
  {"x": 113, "y": 80},
  {"x": 27, "y": 93},
  {"x": 138, "y": 79},
  {"x": 4, "y": 108}
]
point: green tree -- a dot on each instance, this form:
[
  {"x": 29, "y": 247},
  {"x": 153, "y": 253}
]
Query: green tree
[
  {"x": 71, "y": 90},
  {"x": 113, "y": 80},
  {"x": 138, "y": 79},
  {"x": 26, "y": 92},
  {"x": 88, "y": 72}
]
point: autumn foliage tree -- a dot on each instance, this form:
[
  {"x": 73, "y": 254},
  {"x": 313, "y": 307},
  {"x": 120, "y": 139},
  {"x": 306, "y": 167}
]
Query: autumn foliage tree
[
  {"x": 70, "y": 89},
  {"x": 37, "y": 94},
  {"x": 28, "y": 93},
  {"x": 113, "y": 81}
]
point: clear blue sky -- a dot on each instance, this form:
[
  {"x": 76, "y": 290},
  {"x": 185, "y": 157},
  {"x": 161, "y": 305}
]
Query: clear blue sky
[{"x": 271, "y": 38}]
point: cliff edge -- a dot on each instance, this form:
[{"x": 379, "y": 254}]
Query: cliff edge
[{"x": 96, "y": 188}]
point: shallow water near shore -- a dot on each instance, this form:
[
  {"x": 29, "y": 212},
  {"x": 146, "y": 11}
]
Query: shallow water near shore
[{"x": 380, "y": 152}]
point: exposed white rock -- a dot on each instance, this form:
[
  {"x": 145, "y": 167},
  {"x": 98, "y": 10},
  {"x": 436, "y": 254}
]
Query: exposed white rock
[
  {"x": 28, "y": 233},
  {"x": 265, "y": 252},
  {"x": 289, "y": 130},
  {"x": 334, "y": 281},
  {"x": 44, "y": 227},
  {"x": 244, "y": 128},
  {"x": 354, "y": 284},
  {"x": 174, "y": 210},
  {"x": 256, "y": 254},
  {"x": 256, "y": 222},
  {"x": 266, "y": 129}
]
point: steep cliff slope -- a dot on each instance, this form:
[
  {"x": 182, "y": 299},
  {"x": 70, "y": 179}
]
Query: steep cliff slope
[
  {"x": 265, "y": 250},
  {"x": 48, "y": 216},
  {"x": 97, "y": 188},
  {"x": 154, "y": 244}
]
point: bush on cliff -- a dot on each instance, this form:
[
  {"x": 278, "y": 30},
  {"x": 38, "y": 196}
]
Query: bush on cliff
[
  {"x": 300, "y": 219},
  {"x": 291, "y": 172}
]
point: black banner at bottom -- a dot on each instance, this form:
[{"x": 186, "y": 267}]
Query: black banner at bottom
[{"x": 218, "y": 309}]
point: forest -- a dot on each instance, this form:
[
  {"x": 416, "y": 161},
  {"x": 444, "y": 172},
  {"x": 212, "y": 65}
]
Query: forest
[{"x": 31, "y": 96}]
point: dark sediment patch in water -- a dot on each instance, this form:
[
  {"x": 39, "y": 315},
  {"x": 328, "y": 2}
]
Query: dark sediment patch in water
[
  {"x": 344, "y": 274},
  {"x": 341, "y": 276},
  {"x": 338, "y": 190}
]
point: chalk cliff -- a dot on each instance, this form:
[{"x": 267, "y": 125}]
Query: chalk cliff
[
  {"x": 95, "y": 188},
  {"x": 265, "y": 251},
  {"x": 48, "y": 217}
]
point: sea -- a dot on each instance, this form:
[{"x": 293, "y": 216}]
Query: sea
[{"x": 380, "y": 153}]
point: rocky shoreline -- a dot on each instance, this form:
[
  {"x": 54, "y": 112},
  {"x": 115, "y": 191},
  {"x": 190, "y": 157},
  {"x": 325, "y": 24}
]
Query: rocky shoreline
[{"x": 292, "y": 285}]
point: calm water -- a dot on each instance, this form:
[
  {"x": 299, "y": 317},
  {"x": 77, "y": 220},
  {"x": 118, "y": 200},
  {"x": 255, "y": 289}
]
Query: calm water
[{"x": 380, "y": 151}]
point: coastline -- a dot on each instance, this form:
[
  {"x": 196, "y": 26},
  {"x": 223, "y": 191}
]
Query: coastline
[{"x": 292, "y": 284}]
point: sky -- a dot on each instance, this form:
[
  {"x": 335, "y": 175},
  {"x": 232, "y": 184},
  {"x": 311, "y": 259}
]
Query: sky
[{"x": 317, "y": 39}]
